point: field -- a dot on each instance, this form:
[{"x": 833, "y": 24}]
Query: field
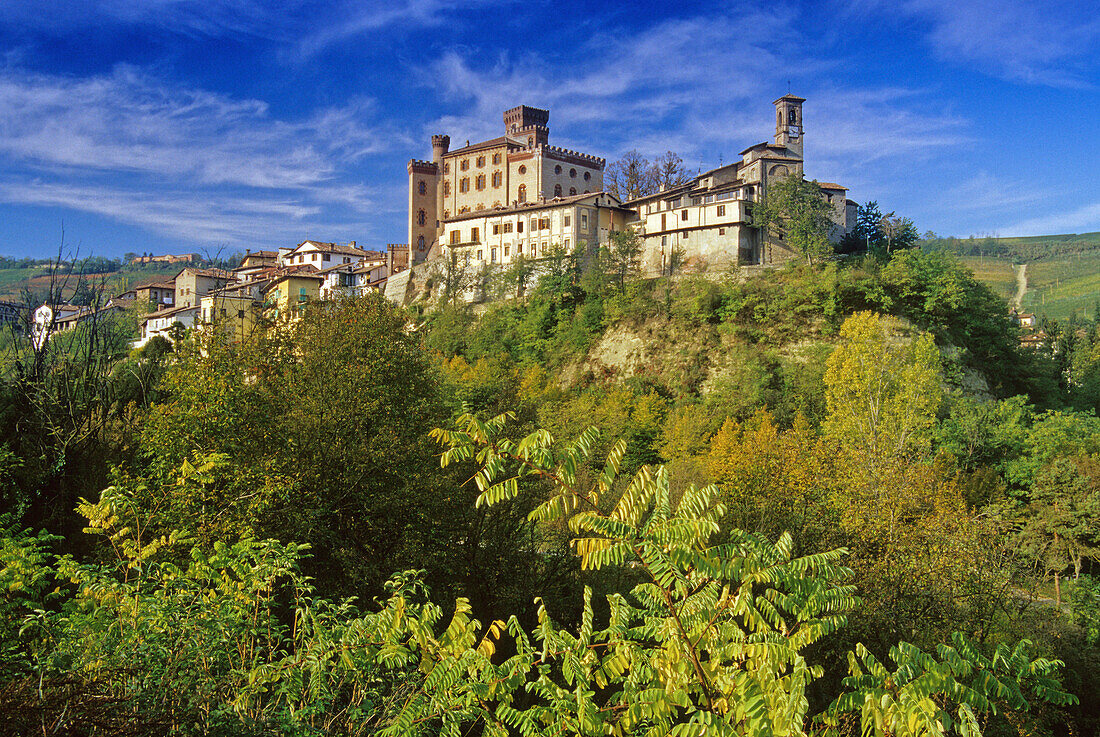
[
  {"x": 37, "y": 279},
  {"x": 1056, "y": 286}
]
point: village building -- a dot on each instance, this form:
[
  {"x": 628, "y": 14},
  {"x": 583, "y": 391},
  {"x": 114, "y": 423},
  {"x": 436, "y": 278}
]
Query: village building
[
  {"x": 162, "y": 322},
  {"x": 192, "y": 283},
  {"x": 288, "y": 294},
  {"x": 708, "y": 220},
  {"x": 323, "y": 255},
  {"x": 158, "y": 294},
  {"x": 500, "y": 236},
  {"x": 504, "y": 173},
  {"x": 256, "y": 261},
  {"x": 236, "y": 315}
]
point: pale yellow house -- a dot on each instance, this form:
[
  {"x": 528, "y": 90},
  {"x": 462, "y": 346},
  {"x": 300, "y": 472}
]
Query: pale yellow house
[
  {"x": 191, "y": 284},
  {"x": 287, "y": 295},
  {"x": 238, "y": 316}
]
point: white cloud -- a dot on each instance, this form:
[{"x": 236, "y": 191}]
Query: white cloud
[
  {"x": 1049, "y": 43},
  {"x": 184, "y": 162},
  {"x": 1085, "y": 219}
]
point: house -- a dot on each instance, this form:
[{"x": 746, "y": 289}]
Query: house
[
  {"x": 192, "y": 283},
  {"x": 161, "y": 322},
  {"x": 288, "y": 294},
  {"x": 237, "y": 315},
  {"x": 323, "y": 255},
  {"x": 530, "y": 230},
  {"x": 256, "y": 261},
  {"x": 708, "y": 219},
  {"x": 158, "y": 294}
]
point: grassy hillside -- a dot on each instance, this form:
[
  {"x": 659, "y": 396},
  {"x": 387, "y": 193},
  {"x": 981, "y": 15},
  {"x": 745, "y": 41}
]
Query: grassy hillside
[
  {"x": 37, "y": 279},
  {"x": 1063, "y": 271},
  {"x": 1056, "y": 286}
]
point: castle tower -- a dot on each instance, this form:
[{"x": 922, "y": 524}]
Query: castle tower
[
  {"x": 440, "y": 145},
  {"x": 528, "y": 124},
  {"x": 788, "y": 123}
]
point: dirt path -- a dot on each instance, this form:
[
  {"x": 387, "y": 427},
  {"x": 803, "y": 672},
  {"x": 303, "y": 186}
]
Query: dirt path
[{"x": 1021, "y": 285}]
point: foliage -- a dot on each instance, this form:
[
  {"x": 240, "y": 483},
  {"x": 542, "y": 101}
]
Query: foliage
[{"x": 795, "y": 212}]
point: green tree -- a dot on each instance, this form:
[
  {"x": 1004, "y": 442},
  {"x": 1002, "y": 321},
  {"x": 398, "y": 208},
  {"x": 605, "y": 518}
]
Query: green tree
[
  {"x": 795, "y": 212},
  {"x": 624, "y": 254}
]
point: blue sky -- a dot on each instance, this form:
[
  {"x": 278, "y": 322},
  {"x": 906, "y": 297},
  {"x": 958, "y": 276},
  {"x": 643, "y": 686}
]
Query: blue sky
[{"x": 199, "y": 125}]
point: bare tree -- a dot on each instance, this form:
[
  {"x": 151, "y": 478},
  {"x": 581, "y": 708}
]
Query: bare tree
[
  {"x": 669, "y": 171},
  {"x": 630, "y": 177}
]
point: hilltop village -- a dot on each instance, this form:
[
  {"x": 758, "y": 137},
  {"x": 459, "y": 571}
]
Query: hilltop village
[{"x": 486, "y": 205}]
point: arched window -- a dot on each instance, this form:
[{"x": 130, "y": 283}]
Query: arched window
[
  {"x": 587, "y": 176},
  {"x": 523, "y": 193},
  {"x": 557, "y": 169},
  {"x": 557, "y": 190},
  {"x": 496, "y": 178},
  {"x": 464, "y": 185},
  {"x": 447, "y": 189},
  {"x": 480, "y": 181},
  {"x": 480, "y": 161},
  {"x": 421, "y": 218},
  {"x": 573, "y": 173},
  {"x": 572, "y": 191},
  {"x": 422, "y": 188},
  {"x": 420, "y": 243},
  {"x": 793, "y": 116}
]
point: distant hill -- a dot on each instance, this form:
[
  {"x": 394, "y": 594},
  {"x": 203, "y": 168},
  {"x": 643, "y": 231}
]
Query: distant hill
[
  {"x": 17, "y": 279},
  {"x": 1062, "y": 272}
]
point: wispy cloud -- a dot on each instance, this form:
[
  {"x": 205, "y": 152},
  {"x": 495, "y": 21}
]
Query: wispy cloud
[
  {"x": 184, "y": 162},
  {"x": 1048, "y": 43},
  {"x": 714, "y": 100},
  {"x": 1085, "y": 219}
]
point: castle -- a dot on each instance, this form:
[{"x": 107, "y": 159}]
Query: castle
[{"x": 517, "y": 195}]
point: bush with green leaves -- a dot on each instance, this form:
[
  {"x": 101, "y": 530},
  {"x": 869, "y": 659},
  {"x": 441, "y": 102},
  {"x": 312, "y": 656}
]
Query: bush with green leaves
[{"x": 715, "y": 638}]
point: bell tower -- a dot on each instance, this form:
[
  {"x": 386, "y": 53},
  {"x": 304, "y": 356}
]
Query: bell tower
[{"x": 788, "y": 123}]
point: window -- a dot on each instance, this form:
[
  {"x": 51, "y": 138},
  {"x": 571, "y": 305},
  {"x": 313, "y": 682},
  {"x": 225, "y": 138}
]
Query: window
[
  {"x": 456, "y": 235},
  {"x": 664, "y": 241},
  {"x": 447, "y": 189},
  {"x": 587, "y": 176},
  {"x": 421, "y": 218},
  {"x": 496, "y": 178},
  {"x": 479, "y": 256},
  {"x": 480, "y": 181},
  {"x": 573, "y": 173},
  {"x": 327, "y": 257},
  {"x": 557, "y": 169},
  {"x": 566, "y": 244},
  {"x": 557, "y": 190},
  {"x": 523, "y": 170},
  {"x": 474, "y": 235},
  {"x": 496, "y": 158},
  {"x": 523, "y": 193},
  {"x": 721, "y": 210},
  {"x": 663, "y": 224},
  {"x": 686, "y": 234},
  {"x": 507, "y": 227},
  {"x": 446, "y": 167},
  {"x": 421, "y": 187},
  {"x": 674, "y": 204},
  {"x": 480, "y": 161},
  {"x": 464, "y": 185},
  {"x": 534, "y": 251},
  {"x": 496, "y": 228},
  {"x": 465, "y": 164},
  {"x": 240, "y": 314},
  {"x": 544, "y": 223},
  {"x": 568, "y": 219},
  {"x": 584, "y": 221},
  {"x": 519, "y": 249},
  {"x": 683, "y": 214},
  {"x": 519, "y": 227},
  {"x": 446, "y": 213},
  {"x": 492, "y": 255},
  {"x": 721, "y": 231},
  {"x": 572, "y": 191},
  {"x": 420, "y": 243}
]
